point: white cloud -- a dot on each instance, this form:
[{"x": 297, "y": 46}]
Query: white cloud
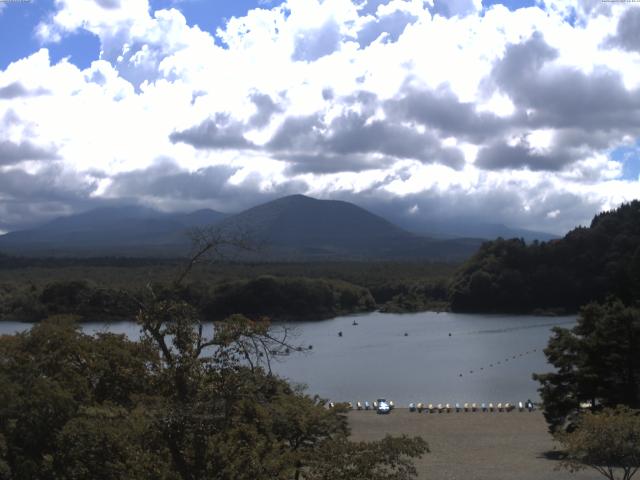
[{"x": 157, "y": 76}]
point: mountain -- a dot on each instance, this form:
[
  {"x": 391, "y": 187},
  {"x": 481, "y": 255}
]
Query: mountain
[
  {"x": 290, "y": 228},
  {"x": 300, "y": 227},
  {"x": 587, "y": 264},
  {"x": 124, "y": 230},
  {"x": 457, "y": 228}
]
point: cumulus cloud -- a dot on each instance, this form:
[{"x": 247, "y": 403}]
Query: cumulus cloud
[
  {"x": 627, "y": 34},
  {"x": 165, "y": 179},
  {"x": 12, "y": 153},
  {"x": 389, "y": 27},
  {"x": 561, "y": 96},
  {"x": 265, "y": 109},
  {"x": 343, "y": 143},
  {"x": 512, "y": 114},
  {"x": 313, "y": 44},
  {"x": 504, "y": 156},
  {"x": 450, "y": 8},
  {"x": 441, "y": 110},
  {"x": 17, "y": 90},
  {"x": 214, "y": 133}
]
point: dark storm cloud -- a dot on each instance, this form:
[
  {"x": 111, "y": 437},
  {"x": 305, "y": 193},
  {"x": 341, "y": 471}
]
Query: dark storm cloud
[
  {"x": 12, "y": 153},
  {"x": 627, "y": 34},
  {"x": 501, "y": 156},
  {"x": 265, "y": 109},
  {"x": 17, "y": 90},
  {"x": 165, "y": 179},
  {"x": 443, "y": 111},
  {"x": 392, "y": 26},
  {"x": 217, "y": 133},
  {"x": 310, "y": 45}
]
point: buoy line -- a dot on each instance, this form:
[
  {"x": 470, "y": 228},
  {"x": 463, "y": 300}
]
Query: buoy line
[{"x": 499, "y": 362}]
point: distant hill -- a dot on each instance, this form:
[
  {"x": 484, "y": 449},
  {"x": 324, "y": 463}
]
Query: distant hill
[
  {"x": 290, "y": 228},
  {"x": 123, "y": 230},
  {"x": 300, "y": 227},
  {"x": 457, "y": 228},
  {"x": 588, "y": 264}
]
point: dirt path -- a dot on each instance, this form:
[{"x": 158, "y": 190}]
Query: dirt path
[{"x": 472, "y": 446}]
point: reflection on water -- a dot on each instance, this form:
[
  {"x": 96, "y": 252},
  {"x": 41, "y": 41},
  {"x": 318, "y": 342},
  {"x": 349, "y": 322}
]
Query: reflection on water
[{"x": 429, "y": 357}]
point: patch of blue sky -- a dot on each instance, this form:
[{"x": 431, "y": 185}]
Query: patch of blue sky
[
  {"x": 80, "y": 48},
  {"x": 18, "y": 21},
  {"x": 210, "y": 15},
  {"x": 510, "y": 4},
  {"x": 629, "y": 157}
]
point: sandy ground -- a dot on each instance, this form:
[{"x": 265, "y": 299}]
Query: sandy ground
[{"x": 472, "y": 446}]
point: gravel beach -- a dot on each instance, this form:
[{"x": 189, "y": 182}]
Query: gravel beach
[{"x": 472, "y": 446}]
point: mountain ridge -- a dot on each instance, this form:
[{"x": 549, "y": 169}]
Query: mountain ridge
[{"x": 295, "y": 227}]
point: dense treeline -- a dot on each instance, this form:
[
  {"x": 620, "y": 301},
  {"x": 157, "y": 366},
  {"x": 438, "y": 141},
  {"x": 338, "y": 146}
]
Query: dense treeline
[
  {"x": 288, "y": 298},
  {"x": 279, "y": 291},
  {"x": 266, "y": 296},
  {"x": 588, "y": 264}
]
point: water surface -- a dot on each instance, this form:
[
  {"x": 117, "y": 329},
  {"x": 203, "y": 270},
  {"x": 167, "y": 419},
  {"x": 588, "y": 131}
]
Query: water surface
[{"x": 444, "y": 357}]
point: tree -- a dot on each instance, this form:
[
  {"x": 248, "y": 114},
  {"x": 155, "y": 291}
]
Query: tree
[
  {"x": 596, "y": 363},
  {"x": 191, "y": 400},
  {"x": 607, "y": 441}
]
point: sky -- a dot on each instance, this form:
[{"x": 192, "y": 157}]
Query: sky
[{"x": 522, "y": 112}]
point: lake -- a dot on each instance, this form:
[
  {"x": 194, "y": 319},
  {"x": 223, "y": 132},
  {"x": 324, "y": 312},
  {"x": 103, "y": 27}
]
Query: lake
[{"x": 443, "y": 358}]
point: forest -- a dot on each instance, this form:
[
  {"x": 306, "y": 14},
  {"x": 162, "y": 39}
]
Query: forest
[
  {"x": 588, "y": 264},
  {"x": 103, "y": 289}
]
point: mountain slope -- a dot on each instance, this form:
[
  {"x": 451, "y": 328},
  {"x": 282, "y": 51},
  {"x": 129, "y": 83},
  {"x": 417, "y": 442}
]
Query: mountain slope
[
  {"x": 290, "y": 228},
  {"x": 456, "y": 228},
  {"x": 124, "y": 230},
  {"x": 302, "y": 227}
]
